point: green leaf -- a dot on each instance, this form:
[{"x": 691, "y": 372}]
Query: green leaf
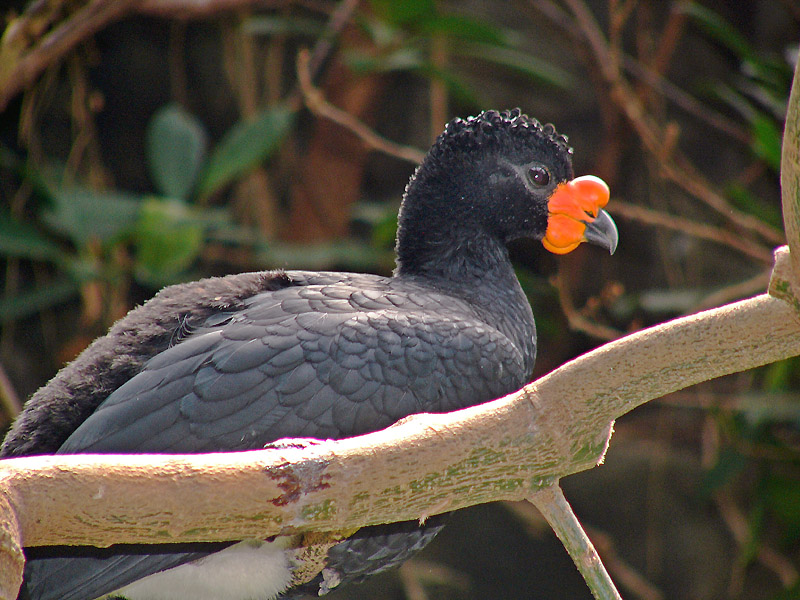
[
  {"x": 735, "y": 99},
  {"x": 277, "y": 25},
  {"x": 766, "y": 143},
  {"x": 719, "y": 29},
  {"x": 382, "y": 219},
  {"x": 456, "y": 86},
  {"x": 755, "y": 528},
  {"x": 745, "y": 200},
  {"x": 772, "y": 77},
  {"x": 463, "y": 28},
  {"x": 729, "y": 464},
  {"x": 84, "y": 215},
  {"x": 777, "y": 376},
  {"x": 382, "y": 33},
  {"x": 769, "y": 407},
  {"x": 244, "y": 146},
  {"x": 782, "y": 495},
  {"x": 402, "y": 59},
  {"x": 22, "y": 240},
  {"x": 31, "y": 302},
  {"x": 401, "y": 12},
  {"x": 671, "y": 301},
  {"x": 176, "y": 149},
  {"x": 236, "y": 235},
  {"x": 412, "y": 60},
  {"x": 522, "y": 62},
  {"x": 168, "y": 240}
]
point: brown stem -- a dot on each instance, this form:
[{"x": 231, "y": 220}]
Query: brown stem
[
  {"x": 317, "y": 104},
  {"x": 691, "y": 228},
  {"x": 576, "y": 320},
  {"x": 678, "y": 169},
  {"x": 556, "y": 510},
  {"x": 740, "y": 530},
  {"x": 23, "y": 70}
]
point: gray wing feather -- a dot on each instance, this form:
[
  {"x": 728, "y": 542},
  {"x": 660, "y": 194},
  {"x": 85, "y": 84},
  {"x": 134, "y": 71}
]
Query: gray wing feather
[
  {"x": 281, "y": 368},
  {"x": 55, "y": 578}
]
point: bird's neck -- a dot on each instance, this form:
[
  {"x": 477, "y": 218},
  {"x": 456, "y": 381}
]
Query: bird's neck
[
  {"x": 437, "y": 241},
  {"x": 480, "y": 273},
  {"x": 436, "y": 254}
]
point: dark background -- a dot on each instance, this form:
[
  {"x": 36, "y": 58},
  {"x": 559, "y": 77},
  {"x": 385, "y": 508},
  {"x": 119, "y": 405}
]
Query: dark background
[{"x": 679, "y": 106}]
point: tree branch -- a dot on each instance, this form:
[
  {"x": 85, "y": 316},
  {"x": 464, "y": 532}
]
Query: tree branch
[
  {"x": 316, "y": 103},
  {"x": 556, "y": 510},
  {"x": 692, "y": 228},
  {"x": 38, "y": 39},
  {"x": 25, "y": 52},
  {"x": 790, "y": 178},
  {"x": 673, "y": 164},
  {"x": 427, "y": 464}
]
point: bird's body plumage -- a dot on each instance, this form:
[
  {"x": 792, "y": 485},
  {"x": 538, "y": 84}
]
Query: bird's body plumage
[
  {"x": 330, "y": 355},
  {"x": 314, "y": 355},
  {"x": 238, "y": 362}
]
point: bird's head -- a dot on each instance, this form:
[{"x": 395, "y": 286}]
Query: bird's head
[{"x": 499, "y": 176}]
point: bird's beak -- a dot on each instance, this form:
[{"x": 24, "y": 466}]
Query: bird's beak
[{"x": 575, "y": 215}]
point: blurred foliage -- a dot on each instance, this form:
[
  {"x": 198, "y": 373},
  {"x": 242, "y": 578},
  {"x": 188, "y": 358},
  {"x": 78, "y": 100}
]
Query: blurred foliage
[
  {"x": 758, "y": 94},
  {"x": 402, "y": 34},
  {"x": 223, "y": 148},
  {"x": 76, "y": 228},
  {"x": 761, "y": 436},
  {"x": 168, "y": 232}
]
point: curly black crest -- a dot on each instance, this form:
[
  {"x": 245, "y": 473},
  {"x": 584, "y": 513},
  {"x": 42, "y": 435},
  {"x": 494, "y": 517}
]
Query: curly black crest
[{"x": 492, "y": 128}]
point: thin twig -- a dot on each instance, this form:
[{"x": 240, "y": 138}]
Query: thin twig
[
  {"x": 618, "y": 15},
  {"x": 766, "y": 555},
  {"x": 23, "y": 68},
  {"x": 736, "y": 291},
  {"x": 623, "y": 572},
  {"x": 554, "y": 12},
  {"x": 322, "y": 49},
  {"x": 674, "y": 166},
  {"x": 412, "y": 586},
  {"x": 577, "y": 321},
  {"x": 317, "y": 104},
  {"x": 336, "y": 23},
  {"x": 627, "y": 576},
  {"x": 413, "y": 573},
  {"x": 201, "y": 9},
  {"x": 685, "y": 101},
  {"x": 689, "y": 227},
  {"x": 556, "y": 510},
  {"x": 50, "y": 48},
  {"x": 9, "y": 399},
  {"x": 668, "y": 42}
]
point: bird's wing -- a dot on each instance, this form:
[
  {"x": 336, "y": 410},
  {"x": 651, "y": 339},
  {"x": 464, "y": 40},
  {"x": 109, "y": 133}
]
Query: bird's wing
[
  {"x": 321, "y": 361},
  {"x": 317, "y": 361}
]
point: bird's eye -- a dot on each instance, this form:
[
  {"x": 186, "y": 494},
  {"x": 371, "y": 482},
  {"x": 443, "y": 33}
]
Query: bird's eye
[{"x": 538, "y": 175}]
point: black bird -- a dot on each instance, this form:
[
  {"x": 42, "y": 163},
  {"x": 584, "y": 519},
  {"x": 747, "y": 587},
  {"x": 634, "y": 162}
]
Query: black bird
[{"x": 238, "y": 362}]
